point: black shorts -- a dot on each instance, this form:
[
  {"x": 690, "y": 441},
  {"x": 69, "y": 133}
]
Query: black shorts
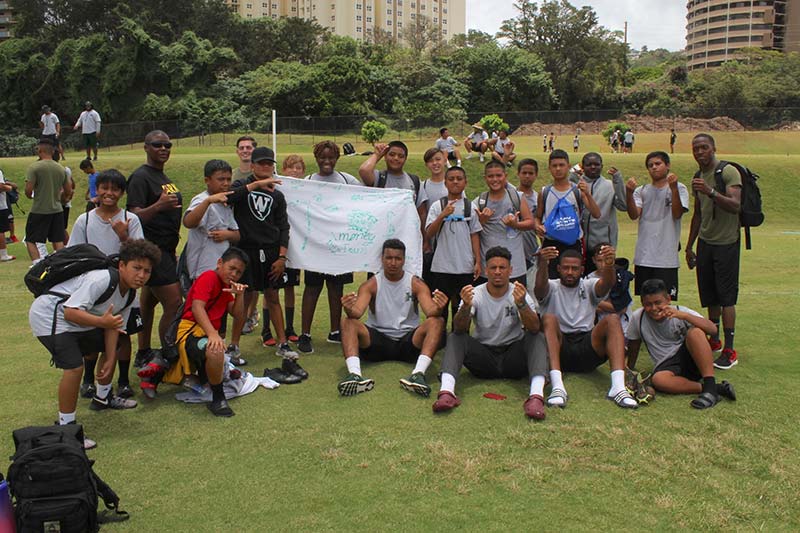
[
  {"x": 451, "y": 284},
  {"x": 5, "y": 220},
  {"x": 718, "y": 273},
  {"x": 384, "y": 348},
  {"x": 680, "y": 364},
  {"x": 452, "y": 156},
  {"x": 668, "y": 275},
  {"x": 256, "y": 275},
  {"x": 292, "y": 277},
  {"x": 43, "y": 228},
  {"x": 317, "y": 279},
  {"x": 166, "y": 273},
  {"x": 577, "y": 354},
  {"x": 68, "y": 349},
  {"x": 196, "y": 350},
  {"x": 135, "y": 322},
  {"x": 90, "y": 140},
  {"x": 628, "y": 145},
  {"x": 53, "y": 137},
  {"x": 66, "y": 217}
]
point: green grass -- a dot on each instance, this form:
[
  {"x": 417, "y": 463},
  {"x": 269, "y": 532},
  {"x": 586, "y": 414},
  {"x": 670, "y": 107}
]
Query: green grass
[{"x": 301, "y": 458}]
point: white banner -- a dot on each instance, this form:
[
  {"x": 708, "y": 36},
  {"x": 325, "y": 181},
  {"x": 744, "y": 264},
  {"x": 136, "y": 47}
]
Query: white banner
[{"x": 338, "y": 228}]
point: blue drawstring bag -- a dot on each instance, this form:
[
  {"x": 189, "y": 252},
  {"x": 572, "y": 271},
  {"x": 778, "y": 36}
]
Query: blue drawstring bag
[{"x": 563, "y": 224}]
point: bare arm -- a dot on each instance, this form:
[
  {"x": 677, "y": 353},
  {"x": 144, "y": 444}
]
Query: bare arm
[
  {"x": 542, "y": 286},
  {"x": 589, "y": 200},
  {"x": 29, "y": 189},
  {"x": 367, "y": 169},
  {"x": 605, "y": 268},
  {"x": 355, "y": 305},
  {"x": 634, "y": 212},
  {"x": 431, "y": 304},
  {"x": 632, "y": 353},
  {"x": 708, "y": 327},
  {"x": 528, "y": 317},
  {"x": 694, "y": 231},
  {"x": 676, "y": 207},
  {"x": 193, "y": 218},
  {"x": 475, "y": 241},
  {"x": 463, "y": 316}
]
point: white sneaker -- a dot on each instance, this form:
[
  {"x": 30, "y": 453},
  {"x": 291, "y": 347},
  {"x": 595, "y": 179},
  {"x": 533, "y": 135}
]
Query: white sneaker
[
  {"x": 469, "y": 156},
  {"x": 285, "y": 351},
  {"x": 8, "y": 258}
]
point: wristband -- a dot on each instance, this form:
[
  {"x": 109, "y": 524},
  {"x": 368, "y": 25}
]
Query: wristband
[
  {"x": 523, "y": 305},
  {"x": 283, "y": 257}
]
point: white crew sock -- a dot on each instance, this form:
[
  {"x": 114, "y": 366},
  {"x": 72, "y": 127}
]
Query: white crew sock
[
  {"x": 42, "y": 247},
  {"x": 423, "y": 362},
  {"x": 617, "y": 382},
  {"x": 65, "y": 418},
  {"x": 353, "y": 365},
  {"x": 556, "y": 383},
  {"x": 537, "y": 385},
  {"x": 103, "y": 390},
  {"x": 459, "y": 162},
  {"x": 448, "y": 383},
  {"x": 4, "y": 253}
]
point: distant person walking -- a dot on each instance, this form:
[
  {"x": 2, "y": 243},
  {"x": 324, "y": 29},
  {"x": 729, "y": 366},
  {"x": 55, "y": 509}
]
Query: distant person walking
[
  {"x": 89, "y": 122},
  {"x": 51, "y": 128},
  {"x": 672, "y": 138}
]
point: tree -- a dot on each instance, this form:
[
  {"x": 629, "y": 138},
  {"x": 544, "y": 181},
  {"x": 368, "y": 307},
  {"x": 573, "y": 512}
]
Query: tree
[
  {"x": 373, "y": 131},
  {"x": 420, "y": 34},
  {"x": 493, "y": 123}
]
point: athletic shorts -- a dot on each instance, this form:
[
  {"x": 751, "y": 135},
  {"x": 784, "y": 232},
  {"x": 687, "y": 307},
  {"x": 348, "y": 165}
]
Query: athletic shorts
[
  {"x": 577, "y": 354},
  {"x": 53, "y": 137},
  {"x": 42, "y": 228},
  {"x": 718, "y": 273},
  {"x": 90, "y": 140},
  {"x": 5, "y": 220},
  {"x": 292, "y": 277},
  {"x": 450, "y": 284},
  {"x": 135, "y": 322},
  {"x": 166, "y": 273},
  {"x": 196, "y": 350},
  {"x": 384, "y": 348},
  {"x": 452, "y": 156},
  {"x": 668, "y": 275},
  {"x": 628, "y": 145},
  {"x": 681, "y": 364},
  {"x": 67, "y": 350},
  {"x": 256, "y": 275},
  {"x": 317, "y": 279}
]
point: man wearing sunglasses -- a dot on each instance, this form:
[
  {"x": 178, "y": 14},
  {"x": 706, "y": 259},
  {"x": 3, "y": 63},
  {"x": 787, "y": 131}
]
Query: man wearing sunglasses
[{"x": 157, "y": 202}]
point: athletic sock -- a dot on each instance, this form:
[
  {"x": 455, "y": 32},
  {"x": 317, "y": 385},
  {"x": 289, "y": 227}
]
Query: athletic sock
[
  {"x": 555, "y": 380},
  {"x": 710, "y": 385},
  {"x": 217, "y": 394},
  {"x": 88, "y": 370},
  {"x": 122, "y": 379},
  {"x": 715, "y": 336},
  {"x": 448, "y": 383},
  {"x": 617, "y": 382},
  {"x": 66, "y": 418},
  {"x": 537, "y": 385},
  {"x": 4, "y": 253},
  {"x": 459, "y": 162},
  {"x": 103, "y": 390},
  {"x": 289, "y": 315},
  {"x": 728, "y": 338},
  {"x": 423, "y": 362},
  {"x": 353, "y": 365}
]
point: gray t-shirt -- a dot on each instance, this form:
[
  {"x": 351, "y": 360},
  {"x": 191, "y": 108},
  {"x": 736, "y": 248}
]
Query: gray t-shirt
[
  {"x": 91, "y": 228},
  {"x": 446, "y": 145},
  {"x": 495, "y": 233},
  {"x": 335, "y": 177},
  {"x": 529, "y": 241},
  {"x": 402, "y": 181},
  {"x": 663, "y": 338},
  {"x": 84, "y": 290},
  {"x": 659, "y": 234},
  {"x": 453, "y": 243},
  {"x": 573, "y": 306},
  {"x": 202, "y": 252},
  {"x": 496, "y": 320},
  {"x": 434, "y": 191},
  {"x": 395, "y": 312}
]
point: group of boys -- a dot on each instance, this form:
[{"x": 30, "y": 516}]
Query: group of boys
[{"x": 486, "y": 261}]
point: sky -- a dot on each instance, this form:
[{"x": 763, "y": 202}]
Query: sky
[{"x": 487, "y": 15}]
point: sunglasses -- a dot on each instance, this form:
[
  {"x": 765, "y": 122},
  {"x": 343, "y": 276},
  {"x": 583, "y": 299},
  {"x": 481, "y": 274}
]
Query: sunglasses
[{"x": 159, "y": 144}]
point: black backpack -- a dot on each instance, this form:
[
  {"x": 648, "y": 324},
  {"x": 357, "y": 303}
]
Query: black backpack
[
  {"x": 12, "y": 199},
  {"x": 750, "y": 210},
  {"x": 348, "y": 149},
  {"x": 384, "y": 174},
  {"x": 483, "y": 199},
  {"x": 52, "y": 484}
]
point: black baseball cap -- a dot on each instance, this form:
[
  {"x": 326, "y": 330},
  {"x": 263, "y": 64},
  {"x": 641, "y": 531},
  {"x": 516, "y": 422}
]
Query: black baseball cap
[{"x": 262, "y": 153}]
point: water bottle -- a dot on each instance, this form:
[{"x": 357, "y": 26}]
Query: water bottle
[{"x": 511, "y": 233}]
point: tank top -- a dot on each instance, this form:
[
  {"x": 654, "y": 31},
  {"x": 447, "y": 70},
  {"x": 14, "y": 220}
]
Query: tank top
[{"x": 395, "y": 312}]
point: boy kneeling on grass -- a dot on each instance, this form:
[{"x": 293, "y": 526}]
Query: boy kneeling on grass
[
  {"x": 79, "y": 325},
  {"x": 201, "y": 348},
  {"x": 676, "y": 339}
]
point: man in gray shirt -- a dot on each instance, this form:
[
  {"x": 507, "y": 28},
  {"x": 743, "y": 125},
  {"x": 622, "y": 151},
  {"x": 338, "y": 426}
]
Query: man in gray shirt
[{"x": 505, "y": 344}]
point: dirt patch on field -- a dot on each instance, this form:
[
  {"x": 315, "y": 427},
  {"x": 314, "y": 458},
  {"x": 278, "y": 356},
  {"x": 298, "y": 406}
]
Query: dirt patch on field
[{"x": 641, "y": 124}]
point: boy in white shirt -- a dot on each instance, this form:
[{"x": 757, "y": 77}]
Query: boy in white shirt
[{"x": 447, "y": 144}]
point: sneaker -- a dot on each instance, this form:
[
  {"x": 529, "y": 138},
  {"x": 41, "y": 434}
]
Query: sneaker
[
  {"x": 354, "y": 384},
  {"x": 8, "y": 258},
  {"x": 291, "y": 335},
  {"x": 279, "y": 376},
  {"x": 285, "y": 351},
  {"x": 220, "y": 408},
  {"x": 335, "y": 337},
  {"x": 482, "y": 158},
  {"x": 728, "y": 359},
  {"x": 469, "y": 156},
  {"x": 88, "y": 390},
  {"x": 445, "y": 401},
  {"x": 149, "y": 389},
  {"x": 124, "y": 391},
  {"x": 249, "y": 326},
  {"x": 304, "y": 343},
  {"x": 235, "y": 355},
  {"x": 144, "y": 356},
  {"x": 268, "y": 341},
  {"x": 716, "y": 345},
  {"x": 291, "y": 366},
  {"x": 14, "y": 239},
  {"x": 111, "y": 402},
  {"x": 416, "y": 383},
  {"x": 635, "y": 385},
  {"x": 89, "y": 444}
]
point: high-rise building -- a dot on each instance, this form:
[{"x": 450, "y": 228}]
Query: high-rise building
[
  {"x": 717, "y": 30},
  {"x": 6, "y": 20},
  {"x": 361, "y": 18}
]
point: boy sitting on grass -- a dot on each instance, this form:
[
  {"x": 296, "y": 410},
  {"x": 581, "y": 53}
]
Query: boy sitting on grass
[
  {"x": 676, "y": 340},
  {"x": 201, "y": 348}
]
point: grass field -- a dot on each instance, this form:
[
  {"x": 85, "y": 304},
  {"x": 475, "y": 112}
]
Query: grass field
[{"x": 300, "y": 458}]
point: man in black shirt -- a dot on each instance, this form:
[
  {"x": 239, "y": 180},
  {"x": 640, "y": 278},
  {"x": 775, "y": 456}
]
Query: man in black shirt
[{"x": 157, "y": 202}]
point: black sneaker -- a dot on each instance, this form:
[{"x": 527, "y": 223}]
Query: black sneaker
[
  {"x": 88, "y": 390},
  {"x": 279, "y": 376},
  {"x": 335, "y": 337},
  {"x": 728, "y": 359},
  {"x": 143, "y": 357},
  {"x": 290, "y": 366},
  {"x": 304, "y": 343},
  {"x": 124, "y": 391},
  {"x": 221, "y": 408}
]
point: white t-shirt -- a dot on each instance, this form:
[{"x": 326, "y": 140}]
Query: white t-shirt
[
  {"x": 91, "y": 228},
  {"x": 662, "y": 338},
  {"x": 500, "y": 146},
  {"x": 628, "y": 137},
  {"x": 84, "y": 291},
  {"x": 402, "y": 181},
  {"x": 89, "y": 122},
  {"x": 335, "y": 177},
  {"x": 453, "y": 253},
  {"x": 202, "y": 252},
  {"x": 3, "y": 198},
  {"x": 446, "y": 145},
  {"x": 497, "y": 321},
  {"x": 659, "y": 233},
  {"x": 573, "y": 306},
  {"x": 477, "y": 137},
  {"x": 49, "y": 121}
]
